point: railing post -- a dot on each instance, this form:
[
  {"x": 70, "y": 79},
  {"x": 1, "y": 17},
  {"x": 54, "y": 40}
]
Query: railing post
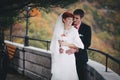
[
  {"x": 10, "y": 33},
  {"x": 106, "y": 64},
  {"x": 23, "y": 61},
  {"x": 26, "y": 40},
  {"x": 11, "y": 38},
  {"x": 47, "y": 44}
]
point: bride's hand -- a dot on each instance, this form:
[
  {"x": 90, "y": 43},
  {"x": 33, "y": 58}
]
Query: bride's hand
[
  {"x": 60, "y": 41},
  {"x": 64, "y": 43}
]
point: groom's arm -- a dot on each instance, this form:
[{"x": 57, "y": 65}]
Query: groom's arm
[
  {"x": 72, "y": 47},
  {"x": 72, "y": 50}
]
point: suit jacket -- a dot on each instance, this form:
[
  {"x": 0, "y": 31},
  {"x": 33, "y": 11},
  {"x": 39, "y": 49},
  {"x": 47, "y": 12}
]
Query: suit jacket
[{"x": 85, "y": 35}]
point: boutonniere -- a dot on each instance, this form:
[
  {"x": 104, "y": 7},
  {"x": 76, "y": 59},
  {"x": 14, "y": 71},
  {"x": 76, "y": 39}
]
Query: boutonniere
[{"x": 80, "y": 35}]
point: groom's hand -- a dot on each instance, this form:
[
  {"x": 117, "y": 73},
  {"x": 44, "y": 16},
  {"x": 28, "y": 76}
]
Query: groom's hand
[{"x": 71, "y": 51}]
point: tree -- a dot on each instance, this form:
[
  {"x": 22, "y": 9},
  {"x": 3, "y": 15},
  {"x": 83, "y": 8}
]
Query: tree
[{"x": 11, "y": 8}]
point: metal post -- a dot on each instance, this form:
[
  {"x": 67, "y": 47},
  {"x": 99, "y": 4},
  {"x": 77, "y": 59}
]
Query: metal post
[
  {"x": 10, "y": 33},
  {"x": 26, "y": 38},
  {"x": 23, "y": 61},
  {"x": 47, "y": 45},
  {"x": 106, "y": 63}
]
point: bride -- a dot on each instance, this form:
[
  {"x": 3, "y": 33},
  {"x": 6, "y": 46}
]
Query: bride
[{"x": 65, "y": 36}]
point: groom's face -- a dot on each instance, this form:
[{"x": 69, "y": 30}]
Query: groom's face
[{"x": 76, "y": 20}]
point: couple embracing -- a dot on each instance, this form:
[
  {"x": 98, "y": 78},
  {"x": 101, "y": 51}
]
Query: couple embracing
[{"x": 69, "y": 45}]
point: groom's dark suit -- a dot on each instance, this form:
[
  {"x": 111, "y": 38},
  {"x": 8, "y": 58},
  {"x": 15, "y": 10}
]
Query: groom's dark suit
[{"x": 81, "y": 56}]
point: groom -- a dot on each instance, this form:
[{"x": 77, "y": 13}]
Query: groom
[{"x": 85, "y": 35}]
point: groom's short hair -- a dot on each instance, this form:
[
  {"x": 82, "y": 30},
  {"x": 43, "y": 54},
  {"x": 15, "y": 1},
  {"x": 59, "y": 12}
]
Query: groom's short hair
[{"x": 79, "y": 12}]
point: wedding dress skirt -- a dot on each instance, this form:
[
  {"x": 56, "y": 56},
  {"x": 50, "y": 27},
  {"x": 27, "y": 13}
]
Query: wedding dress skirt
[{"x": 64, "y": 67}]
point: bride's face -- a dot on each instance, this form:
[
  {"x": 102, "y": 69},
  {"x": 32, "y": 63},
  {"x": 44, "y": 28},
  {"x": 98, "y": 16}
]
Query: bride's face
[{"x": 68, "y": 21}]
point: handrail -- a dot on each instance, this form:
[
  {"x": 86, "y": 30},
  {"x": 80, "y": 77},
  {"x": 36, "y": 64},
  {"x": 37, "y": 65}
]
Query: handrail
[
  {"x": 107, "y": 56},
  {"x": 47, "y": 41},
  {"x": 91, "y": 49}
]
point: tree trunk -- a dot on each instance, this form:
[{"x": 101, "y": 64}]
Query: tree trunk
[{"x": 4, "y": 59}]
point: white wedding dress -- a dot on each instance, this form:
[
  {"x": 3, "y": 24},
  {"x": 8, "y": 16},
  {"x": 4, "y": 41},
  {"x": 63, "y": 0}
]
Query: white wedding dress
[{"x": 64, "y": 65}]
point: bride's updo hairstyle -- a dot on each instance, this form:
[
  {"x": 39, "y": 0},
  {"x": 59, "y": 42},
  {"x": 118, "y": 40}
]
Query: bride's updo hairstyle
[{"x": 66, "y": 15}]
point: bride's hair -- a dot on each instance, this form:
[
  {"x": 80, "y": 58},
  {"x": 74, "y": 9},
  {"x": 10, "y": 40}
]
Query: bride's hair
[{"x": 67, "y": 14}]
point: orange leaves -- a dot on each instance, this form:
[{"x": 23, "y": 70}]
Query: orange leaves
[{"x": 35, "y": 12}]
